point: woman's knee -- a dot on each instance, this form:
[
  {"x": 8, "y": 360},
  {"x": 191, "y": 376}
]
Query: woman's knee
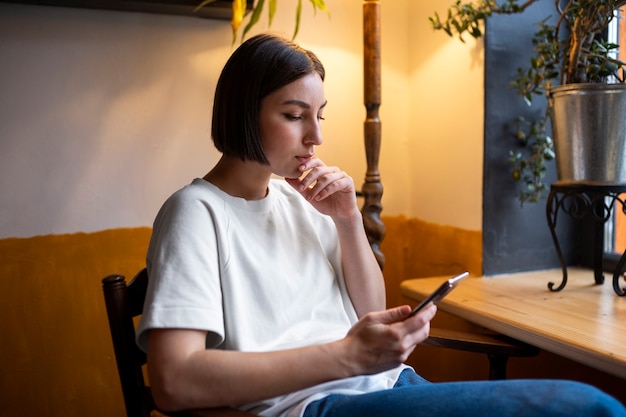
[{"x": 579, "y": 399}]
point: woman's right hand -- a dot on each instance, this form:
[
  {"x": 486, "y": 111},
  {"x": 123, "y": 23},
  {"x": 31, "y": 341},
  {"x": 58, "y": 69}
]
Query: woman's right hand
[{"x": 384, "y": 339}]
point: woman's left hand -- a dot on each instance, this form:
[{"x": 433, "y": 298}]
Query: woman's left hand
[{"x": 328, "y": 189}]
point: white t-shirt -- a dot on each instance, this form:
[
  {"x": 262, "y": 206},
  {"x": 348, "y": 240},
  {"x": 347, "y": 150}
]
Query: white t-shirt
[{"x": 258, "y": 275}]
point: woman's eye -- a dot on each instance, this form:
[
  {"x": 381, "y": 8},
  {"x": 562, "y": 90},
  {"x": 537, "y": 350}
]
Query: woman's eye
[{"x": 296, "y": 117}]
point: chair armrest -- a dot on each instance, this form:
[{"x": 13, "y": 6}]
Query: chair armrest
[{"x": 480, "y": 342}]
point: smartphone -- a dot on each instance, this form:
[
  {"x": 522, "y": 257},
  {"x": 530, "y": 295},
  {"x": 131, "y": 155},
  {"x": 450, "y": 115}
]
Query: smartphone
[{"x": 443, "y": 290}]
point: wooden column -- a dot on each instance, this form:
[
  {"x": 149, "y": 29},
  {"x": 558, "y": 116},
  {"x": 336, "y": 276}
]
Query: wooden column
[{"x": 372, "y": 187}]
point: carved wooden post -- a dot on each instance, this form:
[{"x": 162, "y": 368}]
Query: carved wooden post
[{"x": 372, "y": 187}]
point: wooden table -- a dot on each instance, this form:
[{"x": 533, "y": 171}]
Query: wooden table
[{"x": 584, "y": 322}]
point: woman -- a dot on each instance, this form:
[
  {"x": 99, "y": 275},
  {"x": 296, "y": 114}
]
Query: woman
[{"x": 264, "y": 293}]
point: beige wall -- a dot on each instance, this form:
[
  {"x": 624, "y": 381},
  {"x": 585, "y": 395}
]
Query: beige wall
[
  {"x": 445, "y": 141},
  {"x": 103, "y": 114}
]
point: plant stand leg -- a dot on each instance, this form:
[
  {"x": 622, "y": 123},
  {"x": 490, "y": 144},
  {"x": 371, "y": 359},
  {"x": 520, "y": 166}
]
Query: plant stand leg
[
  {"x": 580, "y": 201},
  {"x": 600, "y": 216},
  {"x": 617, "y": 274},
  {"x": 552, "y": 210}
]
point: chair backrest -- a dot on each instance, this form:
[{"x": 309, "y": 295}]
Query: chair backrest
[{"x": 124, "y": 302}]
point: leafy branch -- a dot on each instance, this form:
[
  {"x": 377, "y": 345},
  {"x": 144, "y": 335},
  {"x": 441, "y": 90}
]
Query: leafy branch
[
  {"x": 239, "y": 12},
  {"x": 573, "y": 50}
]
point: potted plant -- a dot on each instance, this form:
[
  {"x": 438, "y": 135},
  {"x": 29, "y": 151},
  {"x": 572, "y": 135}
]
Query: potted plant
[
  {"x": 572, "y": 61},
  {"x": 239, "y": 11}
]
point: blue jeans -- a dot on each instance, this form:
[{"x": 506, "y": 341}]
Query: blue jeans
[{"x": 413, "y": 396}]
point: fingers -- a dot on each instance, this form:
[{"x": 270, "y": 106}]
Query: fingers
[
  {"x": 322, "y": 181},
  {"x": 408, "y": 332},
  {"x": 393, "y": 315},
  {"x": 400, "y": 314},
  {"x": 329, "y": 185},
  {"x": 386, "y": 338},
  {"x": 425, "y": 315},
  {"x": 416, "y": 329}
]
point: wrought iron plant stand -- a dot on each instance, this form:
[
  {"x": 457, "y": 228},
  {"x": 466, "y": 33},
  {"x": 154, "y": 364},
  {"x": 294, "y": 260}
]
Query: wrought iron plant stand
[{"x": 580, "y": 200}]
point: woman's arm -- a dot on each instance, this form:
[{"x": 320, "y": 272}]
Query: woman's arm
[
  {"x": 185, "y": 375},
  {"x": 332, "y": 192},
  {"x": 362, "y": 273}
]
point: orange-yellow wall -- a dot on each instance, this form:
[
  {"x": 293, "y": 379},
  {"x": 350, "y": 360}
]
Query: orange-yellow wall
[
  {"x": 56, "y": 358},
  {"x": 52, "y": 308},
  {"x": 60, "y": 362},
  {"x": 414, "y": 249}
]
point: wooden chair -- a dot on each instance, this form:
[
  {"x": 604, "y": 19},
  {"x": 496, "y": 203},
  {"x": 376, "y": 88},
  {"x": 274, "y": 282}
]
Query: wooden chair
[
  {"x": 497, "y": 347},
  {"x": 124, "y": 303}
]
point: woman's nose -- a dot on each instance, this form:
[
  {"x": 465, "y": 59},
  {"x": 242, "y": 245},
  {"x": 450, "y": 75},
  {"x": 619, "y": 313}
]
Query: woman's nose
[{"x": 314, "y": 135}]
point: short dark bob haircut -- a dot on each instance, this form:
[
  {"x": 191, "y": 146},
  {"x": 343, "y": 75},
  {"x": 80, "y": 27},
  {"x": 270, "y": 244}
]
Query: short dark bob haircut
[{"x": 261, "y": 65}]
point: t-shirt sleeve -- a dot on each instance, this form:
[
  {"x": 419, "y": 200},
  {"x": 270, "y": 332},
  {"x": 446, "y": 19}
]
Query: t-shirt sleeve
[{"x": 184, "y": 289}]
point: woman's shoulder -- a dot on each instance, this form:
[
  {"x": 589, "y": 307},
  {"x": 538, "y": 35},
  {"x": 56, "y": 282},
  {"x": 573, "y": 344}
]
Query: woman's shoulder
[
  {"x": 199, "y": 193},
  {"x": 197, "y": 188}
]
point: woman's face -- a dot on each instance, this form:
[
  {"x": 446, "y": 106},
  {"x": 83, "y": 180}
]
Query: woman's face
[{"x": 289, "y": 124}]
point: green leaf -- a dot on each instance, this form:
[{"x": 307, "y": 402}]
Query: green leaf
[
  {"x": 298, "y": 13},
  {"x": 528, "y": 99},
  {"x": 272, "y": 11},
  {"x": 201, "y": 5},
  {"x": 319, "y": 4},
  {"x": 254, "y": 19}
]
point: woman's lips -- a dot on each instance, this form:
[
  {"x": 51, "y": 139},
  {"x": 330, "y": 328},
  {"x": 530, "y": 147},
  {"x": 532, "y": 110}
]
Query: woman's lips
[{"x": 303, "y": 159}]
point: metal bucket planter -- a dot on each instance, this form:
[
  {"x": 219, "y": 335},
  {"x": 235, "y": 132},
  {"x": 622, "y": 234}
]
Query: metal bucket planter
[{"x": 589, "y": 129}]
